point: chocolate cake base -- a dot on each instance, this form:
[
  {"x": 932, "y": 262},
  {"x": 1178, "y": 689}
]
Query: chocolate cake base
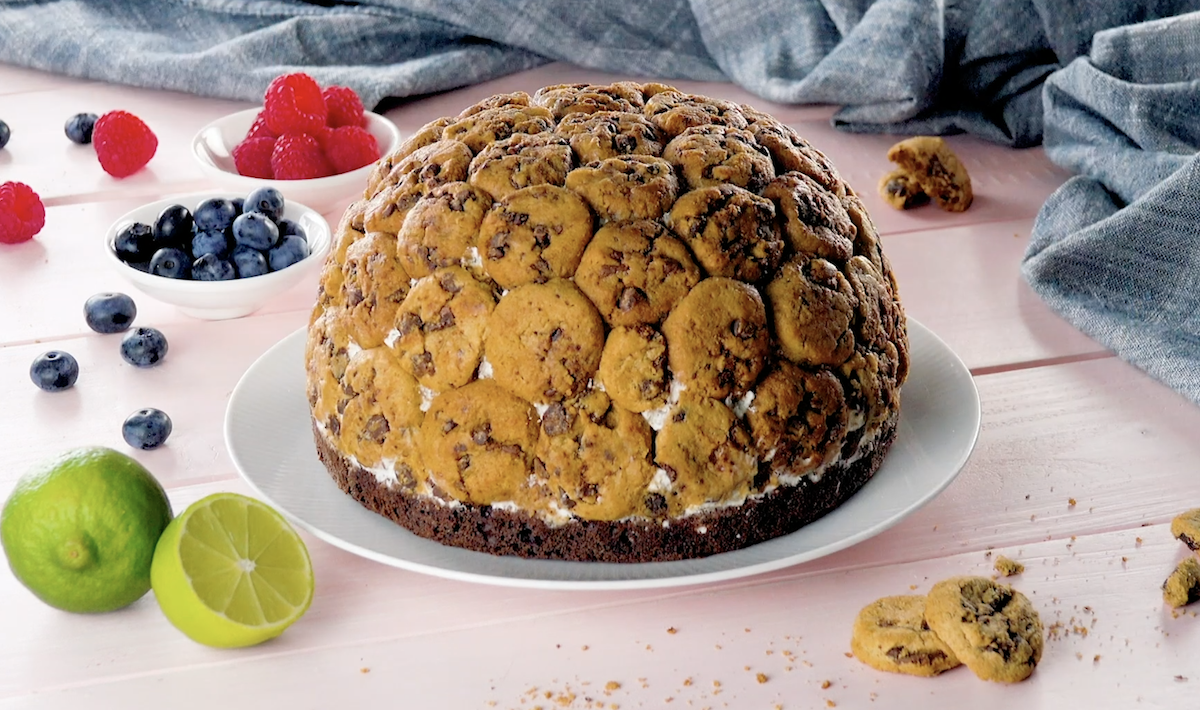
[{"x": 502, "y": 532}]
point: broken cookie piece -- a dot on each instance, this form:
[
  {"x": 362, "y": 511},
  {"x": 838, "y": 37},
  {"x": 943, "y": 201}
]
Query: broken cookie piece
[
  {"x": 1186, "y": 528},
  {"x": 890, "y": 634},
  {"x": 901, "y": 190},
  {"x": 1183, "y": 586},
  {"x": 936, "y": 169}
]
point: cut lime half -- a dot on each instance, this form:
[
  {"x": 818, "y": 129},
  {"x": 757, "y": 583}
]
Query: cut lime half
[{"x": 231, "y": 572}]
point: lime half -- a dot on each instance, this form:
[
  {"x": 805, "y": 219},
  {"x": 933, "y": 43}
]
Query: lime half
[{"x": 231, "y": 572}]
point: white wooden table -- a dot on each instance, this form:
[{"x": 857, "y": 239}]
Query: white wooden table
[{"x": 1063, "y": 421}]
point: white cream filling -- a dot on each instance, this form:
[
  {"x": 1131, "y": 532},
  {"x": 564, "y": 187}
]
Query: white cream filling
[
  {"x": 427, "y": 396},
  {"x": 657, "y": 417},
  {"x": 485, "y": 369}
]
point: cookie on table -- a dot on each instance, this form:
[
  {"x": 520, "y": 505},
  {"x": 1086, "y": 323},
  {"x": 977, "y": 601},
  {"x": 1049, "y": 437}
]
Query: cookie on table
[
  {"x": 1183, "y": 586},
  {"x": 901, "y": 190},
  {"x": 890, "y": 634},
  {"x": 991, "y": 627},
  {"x": 937, "y": 170},
  {"x": 1186, "y": 528}
]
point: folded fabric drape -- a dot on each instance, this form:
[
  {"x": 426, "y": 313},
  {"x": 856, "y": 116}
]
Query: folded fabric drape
[{"x": 1109, "y": 86}]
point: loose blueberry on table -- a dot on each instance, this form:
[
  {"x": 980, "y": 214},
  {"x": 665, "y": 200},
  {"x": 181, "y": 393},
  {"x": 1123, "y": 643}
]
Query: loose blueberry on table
[
  {"x": 144, "y": 347},
  {"x": 79, "y": 127},
  {"x": 223, "y": 239},
  {"x": 109, "y": 312},
  {"x": 54, "y": 371},
  {"x": 5, "y": 134},
  {"x": 146, "y": 428}
]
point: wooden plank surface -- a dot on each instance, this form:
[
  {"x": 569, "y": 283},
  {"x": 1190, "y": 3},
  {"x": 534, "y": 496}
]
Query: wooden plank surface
[{"x": 1080, "y": 464}]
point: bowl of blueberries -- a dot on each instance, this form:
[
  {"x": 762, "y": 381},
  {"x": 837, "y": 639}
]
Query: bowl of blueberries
[{"x": 217, "y": 255}]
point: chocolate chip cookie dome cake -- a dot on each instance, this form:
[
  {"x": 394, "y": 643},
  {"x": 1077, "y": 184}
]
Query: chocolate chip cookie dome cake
[{"x": 614, "y": 323}]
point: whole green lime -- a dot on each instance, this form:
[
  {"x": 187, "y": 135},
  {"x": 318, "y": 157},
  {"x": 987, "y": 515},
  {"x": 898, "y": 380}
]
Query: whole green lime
[{"x": 79, "y": 530}]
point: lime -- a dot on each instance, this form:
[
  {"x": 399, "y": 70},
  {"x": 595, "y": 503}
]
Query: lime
[
  {"x": 79, "y": 530},
  {"x": 230, "y": 572}
]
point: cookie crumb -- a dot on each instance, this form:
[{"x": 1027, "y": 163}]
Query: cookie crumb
[
  {"x": 672, "y": 630},
  {"x": 612, "y": 685},
  {"x": 761, "y": 677},
  {"x": 1070, "y": 502},
  {"x": 1008, "y": 567},
  {"x": 1096, "y": 658},
  {"x": 830, "y": 703},
  {"x": 825, "y": 684},
  {"x": 364, "y": 669},
  {"x": 1180, "y": 679}
]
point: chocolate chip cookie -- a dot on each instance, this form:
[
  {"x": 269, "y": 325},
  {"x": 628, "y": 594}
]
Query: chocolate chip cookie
[
  {"x": 596, "y": 457},
  {"x": 715, "y": 155},
  {"x": 731, "y": 231},
  {"x": 544, "y": 341},
  {"x": 432, "y": 166},
  {"x": 812, "y": 306},
  {"x": 439, "y": 330},
  {"x": 632, "y": 367},
  {"x": 381, "y": 173},
  {"x": 567, "y": 99},
  {"x": 533, "y": 235},
  {"x": 628, "y": 187},
  {"x": 635, "y": 272},
  {"x": 374, "y": 284},
  {"x": 791, "y": 153},
  {"x": 936, "y": 169},
  {"x": 440, "y": 228},
  {"x": 890, "y": 634},
  {"x": 814, "y": 220},
  {"x": 717, "y": 338},
  {"x": 496, "y": 124},
  {"x": 515, "y": 99},
  {"x": 706, "y": 453},
  {"x": 991, "y": 627},
  {"x": 478, "y": 441},
  {"x": 673, "y": 112},
  {"x": 609, "y": 134},
  {"x": 798, "y": 419},
  {"x": 381, "y": 418},
  {"x": 523, "y": 160}
]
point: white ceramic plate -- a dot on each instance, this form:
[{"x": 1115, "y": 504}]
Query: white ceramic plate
[
  {"x": 213, "y": 145},
  {"x": 269, "y": 436}
]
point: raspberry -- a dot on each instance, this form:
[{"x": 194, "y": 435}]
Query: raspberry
[
  {"x": 350, "y": 148},
  {"x": 298, "y": 156},
  {"x": 124, "y": 144},
  {"x": 345, "y": 108},
  {"x": 293, "y": 104},
  {"x": 22, "y": 214},
  {"x": 253, "y": 157},
  {"x": 260, "y": 129}
]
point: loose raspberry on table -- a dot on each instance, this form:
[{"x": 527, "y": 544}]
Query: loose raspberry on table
[
  {"x": 298, "y": 156},
  {"x": 22, "y": 214},
  {"x": 344, "y": 106},
  {"x": 252, "y": 157},
  {"x": 293, "y": 104},
  {"x": 350, "y": 148},
  {"x": 123, "y": 142}
]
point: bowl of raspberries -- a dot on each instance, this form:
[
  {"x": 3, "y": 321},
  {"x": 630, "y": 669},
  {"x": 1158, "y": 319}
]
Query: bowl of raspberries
[
  {"x": 218, "y": 254},
  {"x": 318, "y": 141}
]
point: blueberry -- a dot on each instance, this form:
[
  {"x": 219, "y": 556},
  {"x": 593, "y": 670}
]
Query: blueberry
[
  {"x": 109, "y": 312},
  {"x": 215, "y": 242},
  {"x": 146, "y": 428},
  {"x": 79, "y": 128},
  {"x": 172, "y": 263},
  {"x": 255, "y": 230},
  {"x": 173, "y": 227},
  {"x": 288, "y": 251},
  {"x": 210, "y": 267},
  {"x": 249, "y": 262},
  {"x": 54, "y": 371},
  {"x": 266, "y": 200},
  {"x": 5, "y": 134},
  {"x": 135, "y": 243},
  {"x": 287, "y": 226},
  {"x": 215, "y": 214},
  {"x": 144, "y": 347}
]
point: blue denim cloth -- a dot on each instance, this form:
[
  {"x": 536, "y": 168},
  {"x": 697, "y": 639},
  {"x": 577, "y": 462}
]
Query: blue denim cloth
[{"x": 1110, "y": 85}]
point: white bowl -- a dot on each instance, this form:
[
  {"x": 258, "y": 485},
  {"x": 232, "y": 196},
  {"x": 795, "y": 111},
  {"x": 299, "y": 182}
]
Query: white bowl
[
  {"x": 218, "y": 300},
  {"x": 213, "y": 149}
]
